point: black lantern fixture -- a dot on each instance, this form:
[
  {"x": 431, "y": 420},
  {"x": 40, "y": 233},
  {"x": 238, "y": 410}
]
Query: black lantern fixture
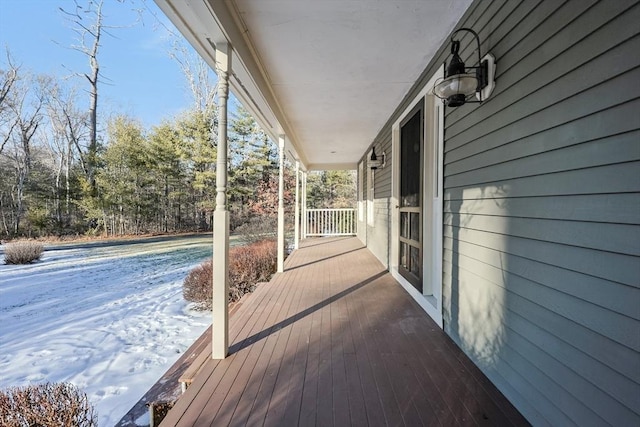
[
  {"x": 461, "y": 83},
  {"x": 376, "y": 162}
]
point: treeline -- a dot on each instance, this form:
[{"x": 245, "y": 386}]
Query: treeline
[
  {"x": 153, "y": 180},
  {"x": 67, "y": 168},
  {"x": 144, "y": 180}
]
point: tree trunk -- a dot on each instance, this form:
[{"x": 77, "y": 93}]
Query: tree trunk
[
  {"x": 93, "y": 100},
  {"x": 19, "y": 202}
]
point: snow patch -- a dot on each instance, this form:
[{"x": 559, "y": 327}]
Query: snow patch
[{"x": 108, "y": 318}]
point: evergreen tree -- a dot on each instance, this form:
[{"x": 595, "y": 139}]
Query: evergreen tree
[
  {"x": 196, "y": 144},
  {"x": 253, "y": 165},
  {"x": 331, "y": 189},
  {"x": 169, "y": 171},
  {"x": 123, "y": 182}
]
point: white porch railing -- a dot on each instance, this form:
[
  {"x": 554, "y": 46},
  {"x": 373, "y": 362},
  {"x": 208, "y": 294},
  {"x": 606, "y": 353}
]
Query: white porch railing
[{"x": 330, "y": 222}]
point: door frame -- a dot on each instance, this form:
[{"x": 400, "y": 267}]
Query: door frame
[
  {"x": 416, "y": 281},
  {"x": 432, "y": 200}
]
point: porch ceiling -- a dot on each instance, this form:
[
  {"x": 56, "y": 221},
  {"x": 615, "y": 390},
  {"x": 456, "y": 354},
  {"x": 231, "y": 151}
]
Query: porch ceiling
[{"x": 326, "y": 73}]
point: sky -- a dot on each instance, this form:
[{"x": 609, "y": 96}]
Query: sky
[{"x": 139, "y": 77}]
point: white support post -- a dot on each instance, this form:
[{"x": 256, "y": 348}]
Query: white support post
[
  {"x": 296, "y": 242},
  {"x": 304, "y": 205},
  {"x": 220, "y": 307},
  {"x": 281, "y": 205}
]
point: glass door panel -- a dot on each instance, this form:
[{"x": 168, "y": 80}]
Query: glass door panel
[{"x": 411, "y": 165}]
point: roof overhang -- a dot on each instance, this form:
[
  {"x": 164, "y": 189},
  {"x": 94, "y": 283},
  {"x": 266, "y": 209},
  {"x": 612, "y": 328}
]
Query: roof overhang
[{"x": 327, "y": 74}]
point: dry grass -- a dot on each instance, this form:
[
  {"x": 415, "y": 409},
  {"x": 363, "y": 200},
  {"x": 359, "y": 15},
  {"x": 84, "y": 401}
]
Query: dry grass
[
  {"x": 48, "y": 404},
  {"x": 257, "y": 229},
  {"x": 23, "y": 252}
]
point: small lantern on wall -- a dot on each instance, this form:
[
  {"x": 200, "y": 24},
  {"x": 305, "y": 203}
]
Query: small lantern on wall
[
  {"x": 461, "y": 83},
  {"x": 376, "y": 162}
]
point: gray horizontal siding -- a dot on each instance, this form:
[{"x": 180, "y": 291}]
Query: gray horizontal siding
[
  {"x": 555, "y": 115},
  {"x": 606, "y": 208},
  {"x": 542, "y": 208},
  {"x": 616, "y": 120},
  {"x": 610, "y": 150},
  {"x": 604, "y": 321},
  {"x": 568, "y": 380},
  {"x": 604, "y": 265},
  {"x": 616, "y": 238},
  {"x": 616, "y": 297},
  {"x": 383, "y": 143},
  {"x": 566, "y": 323},
  {"x": 541, "y": 281},
  {"x": 618, "y": 178},
  {"x": 532, "y": 68}
]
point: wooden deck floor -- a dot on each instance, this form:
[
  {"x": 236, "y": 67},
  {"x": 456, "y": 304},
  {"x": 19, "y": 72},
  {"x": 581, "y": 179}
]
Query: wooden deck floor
[{"x": 335, "y": 341}]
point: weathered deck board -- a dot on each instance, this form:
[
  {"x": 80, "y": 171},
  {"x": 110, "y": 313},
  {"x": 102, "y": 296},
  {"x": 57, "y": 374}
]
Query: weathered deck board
[{"x": 335, "y": 340}]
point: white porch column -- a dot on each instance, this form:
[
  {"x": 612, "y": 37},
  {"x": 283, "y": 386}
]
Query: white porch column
[
  {"x": 297, "y": 208},
  {"x": 220, "y": 308},
  {"x": 304, "y": 205},
  {"x": 281, "y": 205}
]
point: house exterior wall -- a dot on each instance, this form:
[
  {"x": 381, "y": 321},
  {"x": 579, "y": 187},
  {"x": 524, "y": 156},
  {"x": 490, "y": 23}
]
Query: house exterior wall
[
  {"x": 378, "y": 212},
  {"x": 542, "y": 208}
]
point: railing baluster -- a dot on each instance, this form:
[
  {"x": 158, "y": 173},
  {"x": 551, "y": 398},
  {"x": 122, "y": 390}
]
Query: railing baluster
[{"x": 331, "y": 222}]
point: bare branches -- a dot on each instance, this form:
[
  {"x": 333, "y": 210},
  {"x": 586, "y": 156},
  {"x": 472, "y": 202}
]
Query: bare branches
[
  {"x": 200, "y": 78},
  {"x": 24, "y": 103},
  {"x": 89, "y": 36},
  {"x": 8, "y": 79},
  {"x": 25, "y": 106},
  {"x": 68, "y": 123},
  {"x": 60, "y": 404}
]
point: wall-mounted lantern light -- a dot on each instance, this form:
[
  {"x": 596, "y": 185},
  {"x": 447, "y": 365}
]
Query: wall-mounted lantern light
[
  {"x": 376, "y": 162},
  {"x": 461, "y": 82}
]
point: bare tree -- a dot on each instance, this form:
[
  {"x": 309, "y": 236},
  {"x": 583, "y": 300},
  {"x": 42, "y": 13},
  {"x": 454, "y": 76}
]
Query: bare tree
[
  {"x": 200, "y": 78},
  {"x": 8, "y": 79},
  {"x": 88, "y": 25},
  {"x": 25, "y": 104},
  {"x": 69, "y": 126}
]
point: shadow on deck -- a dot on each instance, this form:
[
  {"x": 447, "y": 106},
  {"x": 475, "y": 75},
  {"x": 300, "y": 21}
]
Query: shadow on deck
[{"x": 335, "y": 340}]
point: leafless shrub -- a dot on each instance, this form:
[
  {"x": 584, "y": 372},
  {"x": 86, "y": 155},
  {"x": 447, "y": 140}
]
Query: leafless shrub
[
  {"x": 248, "y": 265},
  {"x": 197, "y": 286},
  {"x": 48, "y": 404},
  {"x": 23, "y": 252}
]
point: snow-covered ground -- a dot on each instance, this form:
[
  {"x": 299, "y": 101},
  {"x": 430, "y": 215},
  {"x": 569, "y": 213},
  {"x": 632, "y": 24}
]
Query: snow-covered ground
[{"x": 108, "y": 317}]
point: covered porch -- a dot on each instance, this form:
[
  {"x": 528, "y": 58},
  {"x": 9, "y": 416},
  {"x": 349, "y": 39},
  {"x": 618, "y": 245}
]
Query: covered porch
[
  {"x": 335, "y": 340},
  {"x": 321, "y": 79}
]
